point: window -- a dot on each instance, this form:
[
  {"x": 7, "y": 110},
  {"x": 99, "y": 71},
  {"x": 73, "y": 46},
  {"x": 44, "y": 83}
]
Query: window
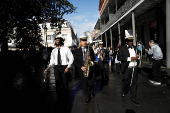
[
  {"x": 64, "y": 34},
  {"x": 49, "y": 37}
]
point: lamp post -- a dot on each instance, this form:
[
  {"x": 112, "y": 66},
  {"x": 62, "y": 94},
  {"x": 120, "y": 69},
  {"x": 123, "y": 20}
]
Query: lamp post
[{"x": 45, "y": 31}]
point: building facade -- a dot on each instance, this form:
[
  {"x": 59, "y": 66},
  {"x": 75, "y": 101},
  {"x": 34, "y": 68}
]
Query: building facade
[
  {"x": 49, "y": 35},
  {"x": 149, "y": 20}
]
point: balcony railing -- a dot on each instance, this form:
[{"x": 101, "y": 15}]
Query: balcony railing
[{"x": 121, "y": 11}]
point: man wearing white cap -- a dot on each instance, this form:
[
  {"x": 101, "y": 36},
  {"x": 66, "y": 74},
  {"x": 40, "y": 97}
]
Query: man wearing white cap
[
  {"x": 79, "y": 61},
  {"x": 103, "y": 64},
  {"x": 62, "y": 59}
]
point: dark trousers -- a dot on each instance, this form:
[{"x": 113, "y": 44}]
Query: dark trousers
[
  {"x": 155, "y": 69},
  {"x": 127, "y": 81},
  {"x": 61, "y": 81},
  {"x": 87, "y": 82},
  {"x": 104, "y": 71},
  {"x": 118, "y": 67}
]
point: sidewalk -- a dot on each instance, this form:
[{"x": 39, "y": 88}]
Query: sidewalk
[{"x": 32, "y": 95}]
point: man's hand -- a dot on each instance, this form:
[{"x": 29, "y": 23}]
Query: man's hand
[
  {"x": 66, "y": 70},
  {"x": 146, "y": 50},
  {"x": 133, "y": 58},
  {"x": 46, "y": 69},
  {"x": 83, "y": 68},
  {"x": 89, "y": 58},
  {"x": 137, "y": 56}
]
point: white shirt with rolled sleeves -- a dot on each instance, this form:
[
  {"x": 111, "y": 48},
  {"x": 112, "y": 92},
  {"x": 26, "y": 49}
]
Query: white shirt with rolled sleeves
[{"x": 66, "y": 57}]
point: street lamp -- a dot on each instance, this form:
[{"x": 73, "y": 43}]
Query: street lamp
[{"x": 45, "y": 31}]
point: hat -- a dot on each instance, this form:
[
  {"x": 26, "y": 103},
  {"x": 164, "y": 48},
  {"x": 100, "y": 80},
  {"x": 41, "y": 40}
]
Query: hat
[
  {"x": 83, "y": 38},
  {"x": 74, "y": 46},
  {"x": 100, "y": 43},
  {"x": 58, "y": 36},
  {"x": 129, "y": 38}
]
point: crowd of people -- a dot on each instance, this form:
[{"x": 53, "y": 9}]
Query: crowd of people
[{"x": 79, "y": 60}]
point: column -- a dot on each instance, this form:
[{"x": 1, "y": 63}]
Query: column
[
  {"x": 133, "y": 27},
  {"x": 106, "y": 39},
  {"x": 111, "y": 39},
  {"x": 119, "y": 34},
  {"x": 101, "y": 38},
  {"x": 167, "y": 33}
]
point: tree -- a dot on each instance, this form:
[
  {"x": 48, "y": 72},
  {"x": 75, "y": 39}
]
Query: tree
[{"x": 19, "y": 19}]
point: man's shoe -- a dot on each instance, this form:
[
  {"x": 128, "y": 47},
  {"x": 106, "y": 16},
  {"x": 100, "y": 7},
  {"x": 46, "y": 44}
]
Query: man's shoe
[
  {"x": 156, "y": 83},
  {"x": 151, "y": 81},
  {"x": 135, "y": 102},
  {"x": 87, "y": 100},
  {"x": 122, "y": 94}
]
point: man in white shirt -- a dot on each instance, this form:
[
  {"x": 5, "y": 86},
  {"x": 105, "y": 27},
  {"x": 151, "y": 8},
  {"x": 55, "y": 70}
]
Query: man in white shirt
[
  {"x": 62, "y": 59},
  {"x": 128, "y": 57}
]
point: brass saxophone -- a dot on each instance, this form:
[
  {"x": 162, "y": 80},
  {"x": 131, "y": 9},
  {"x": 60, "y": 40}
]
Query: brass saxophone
[{"x": 88, "y": 63}]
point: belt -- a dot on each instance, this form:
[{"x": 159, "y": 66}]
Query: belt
[{"x": 131, "y": 66}]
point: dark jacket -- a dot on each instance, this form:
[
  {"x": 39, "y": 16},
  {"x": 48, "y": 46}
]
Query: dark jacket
[
  {"x": 122, "y": 56},
  {"x": 78, "y": 57}
]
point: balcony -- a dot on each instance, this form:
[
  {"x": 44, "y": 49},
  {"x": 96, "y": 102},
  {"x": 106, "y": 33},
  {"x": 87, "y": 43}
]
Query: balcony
[{"x": 140, "y": 6}]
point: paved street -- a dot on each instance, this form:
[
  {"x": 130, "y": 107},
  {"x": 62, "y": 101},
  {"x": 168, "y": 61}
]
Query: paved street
[{"x": 29, "y": 94}]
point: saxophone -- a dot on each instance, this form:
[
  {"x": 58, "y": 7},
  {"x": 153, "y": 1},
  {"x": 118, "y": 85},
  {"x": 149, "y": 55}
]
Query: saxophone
[{"x": 88, "y": 63}]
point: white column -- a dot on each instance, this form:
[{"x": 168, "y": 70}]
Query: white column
[
  {"x": 111, "y": 38},
  {"x": 119, "y": 34},
  {"x": 106, "y": 39},
  {"x": 133, "y": 27},
  {"x": 101, "y": 37},
  {"x": 168, "y": 33}
]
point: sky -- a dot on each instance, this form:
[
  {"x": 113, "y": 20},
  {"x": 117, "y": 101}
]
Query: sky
[{"x": 86, "y": 15}]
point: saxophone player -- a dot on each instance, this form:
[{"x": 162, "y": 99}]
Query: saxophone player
[{"x": 79, "y": 61}]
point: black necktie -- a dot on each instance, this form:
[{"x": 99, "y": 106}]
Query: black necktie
[
  {"x": 129, "y": 47},
  {"x": 59, "y": 57},
  {"x": 84, "y": 53}
]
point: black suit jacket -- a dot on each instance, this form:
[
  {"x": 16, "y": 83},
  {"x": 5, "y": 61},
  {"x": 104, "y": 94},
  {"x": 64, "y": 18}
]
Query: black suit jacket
[
  {"x": 122, "y": 56},
  {"x": 78, "y": 57}
]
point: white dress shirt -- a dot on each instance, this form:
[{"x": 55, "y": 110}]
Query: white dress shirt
[
  {"x": 66, "y": 56},
  {"x": 132, "y": 54}
]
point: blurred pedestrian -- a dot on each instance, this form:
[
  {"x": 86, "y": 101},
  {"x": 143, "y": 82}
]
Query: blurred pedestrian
[
  {"x": 45, "y": 57},
  {"x": 157, "y": 61},
  {"x": 117, "y": 62},
  {"x": 110, "y": 52}
]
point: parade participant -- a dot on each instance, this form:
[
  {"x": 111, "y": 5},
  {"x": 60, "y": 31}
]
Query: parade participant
[
  {"x": 103, "y": 64},
  {"x": 158, "y": 59},
  {"x": 62, "y": 59},
  {"x": 79, "y": 61},
  {"x": 118, "y": 63},
  {"x": 128, "y": 56}
]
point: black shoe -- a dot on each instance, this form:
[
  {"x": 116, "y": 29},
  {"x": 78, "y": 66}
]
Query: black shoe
[
  {"x": 87, "y": 100},
  {"x": 135, "y": 102},
  {"x": 122, "y": 94}
]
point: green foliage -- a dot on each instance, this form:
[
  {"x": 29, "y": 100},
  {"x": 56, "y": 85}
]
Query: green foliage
[{"x": 19, "y": 19}]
